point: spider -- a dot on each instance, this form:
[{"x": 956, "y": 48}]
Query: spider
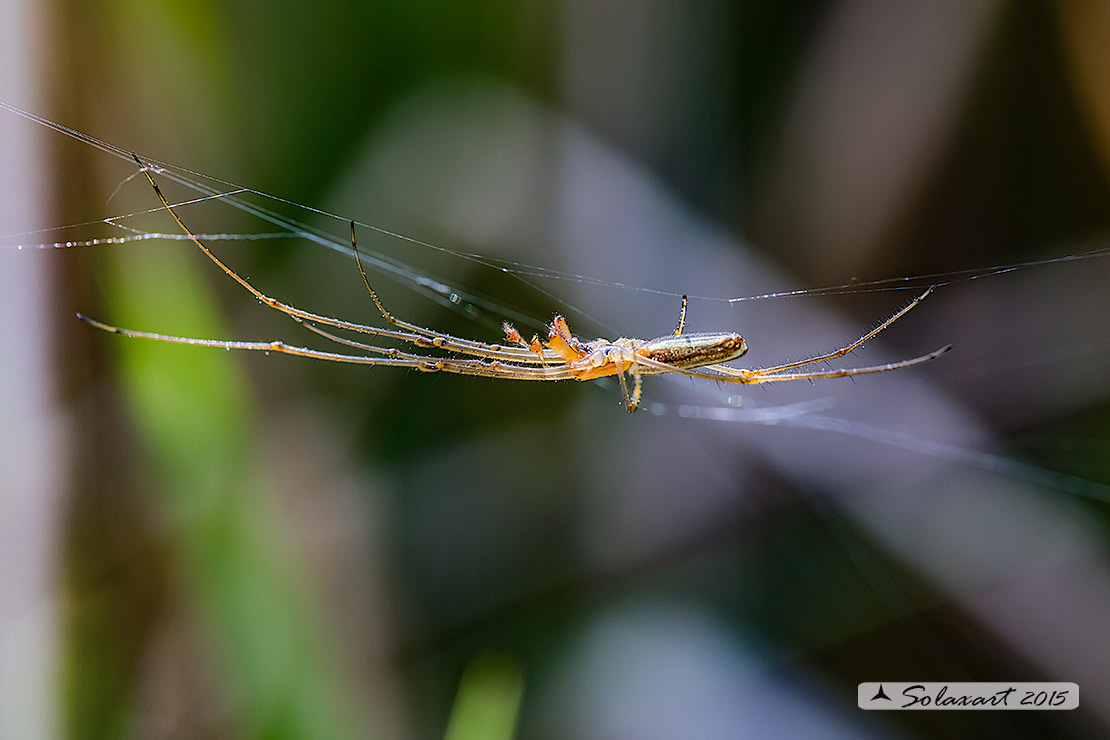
[{"x": 561, "y": 357}]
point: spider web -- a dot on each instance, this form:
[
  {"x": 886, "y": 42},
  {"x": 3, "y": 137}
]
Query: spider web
[
  {"x": 285, "y": 219},
  {"x": 259, "y": 204},
  {"x": 855, "y": 438}
]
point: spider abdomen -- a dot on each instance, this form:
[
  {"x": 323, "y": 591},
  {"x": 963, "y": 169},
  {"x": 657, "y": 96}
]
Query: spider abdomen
[{"x": 694, "y": 350}]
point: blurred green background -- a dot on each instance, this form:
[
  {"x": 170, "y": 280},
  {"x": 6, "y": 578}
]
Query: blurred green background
[{"x": 248, "y": 546}]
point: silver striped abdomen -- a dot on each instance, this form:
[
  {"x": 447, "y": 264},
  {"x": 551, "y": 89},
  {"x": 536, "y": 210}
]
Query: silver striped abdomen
[{"x": 689, "y": 351}]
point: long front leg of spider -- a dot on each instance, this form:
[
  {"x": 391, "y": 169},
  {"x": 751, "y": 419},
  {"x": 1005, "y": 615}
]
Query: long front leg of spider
[{"x": 412, "y": 333}]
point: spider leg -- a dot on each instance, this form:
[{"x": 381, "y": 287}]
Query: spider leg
[
  {"x": 522, "y": 373},
  {"x": 759, "y": 377},
  {"x": 512, "y": 335},
  {"x": 637, "y": 390},
  {"x": 534, "y": 347},
  {"x": 414, "y": 334},
  {"x": 387, "y": 351},
  {"x": 727, "y": 374},
  {"x": 274, "y": 346},
  {"x": 494, "y": 369},
  {"x": 366, "y": 281},
  {"x": 681, "y": 318},
  {"x": 846, "y": 349},
  {"x": 618, "y": 361},
  {"x": 563, "y": 343},
  {"x": 624, "y": 392}
]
